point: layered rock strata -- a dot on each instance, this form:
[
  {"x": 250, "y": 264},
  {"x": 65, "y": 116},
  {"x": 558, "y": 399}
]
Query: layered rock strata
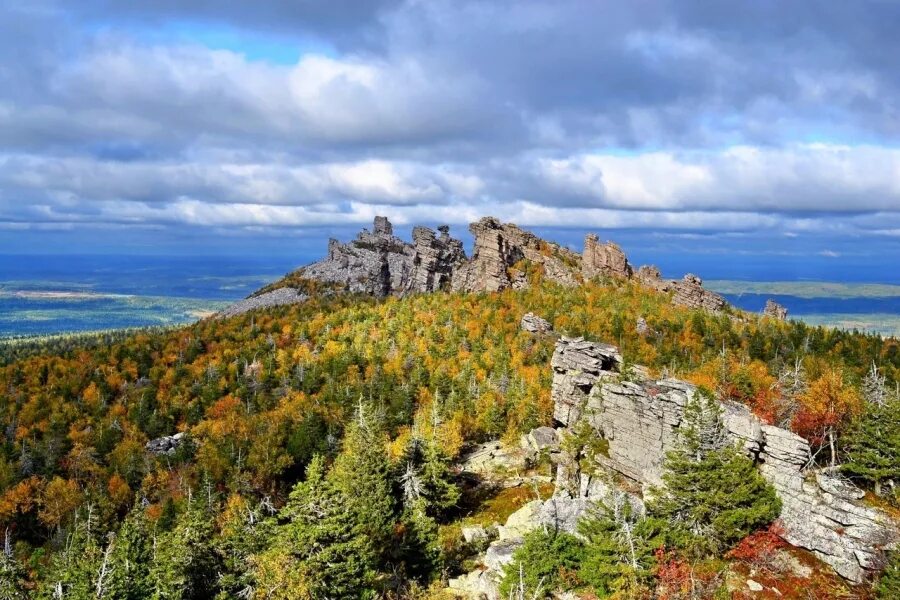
[
  {"x": 688, "y": 292},
  {"x": 500, "y": 247},
  {"x": 535, "y": 324},
  {"x": 640, "y": 422},
  {"x": 604, "y": 260}
]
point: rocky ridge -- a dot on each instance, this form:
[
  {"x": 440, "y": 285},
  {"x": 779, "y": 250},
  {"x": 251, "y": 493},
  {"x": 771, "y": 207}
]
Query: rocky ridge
[
  {"x": 379, "y": 263},
  {"x": 640, "y": 420}
]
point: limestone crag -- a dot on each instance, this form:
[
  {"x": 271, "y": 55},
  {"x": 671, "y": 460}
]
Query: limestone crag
[
  {"x": 775, "y": 310},
  {"x": 499, "y": 247},
  {"x": 604, "y": 260},
  {"x": 640, "y": 421}
]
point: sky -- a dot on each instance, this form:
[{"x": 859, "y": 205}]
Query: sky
[{"x": 724, "y": 132}]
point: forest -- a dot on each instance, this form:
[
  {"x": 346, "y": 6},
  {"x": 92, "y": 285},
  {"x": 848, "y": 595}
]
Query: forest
[{"x": 320, "y": 439}]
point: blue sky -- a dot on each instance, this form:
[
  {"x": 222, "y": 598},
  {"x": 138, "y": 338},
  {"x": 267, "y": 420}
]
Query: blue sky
[{"x": 741, "y": 133}]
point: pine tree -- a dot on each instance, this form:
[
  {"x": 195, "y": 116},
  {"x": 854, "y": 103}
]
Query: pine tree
[
  {"x": 713, "y": 495},
  {"x": 872, "y": 446}
]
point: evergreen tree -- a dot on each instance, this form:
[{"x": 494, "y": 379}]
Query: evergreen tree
[
  {"x": 620, "y": 542},
  {"x": 184, "y": 566},
  {"x": 872, "y": 446},
  {"x": 130, "y": 558},
  {"x": 73, "y": 571},
  {"x": 548, "y": 561},
  {"x": 713, "y": 494},
  {"x": 888, "y": 586},
  {"x": 330, "y": 553},
  {"x": 12, "y": 577},
  {"x": 362, "y": 475}
]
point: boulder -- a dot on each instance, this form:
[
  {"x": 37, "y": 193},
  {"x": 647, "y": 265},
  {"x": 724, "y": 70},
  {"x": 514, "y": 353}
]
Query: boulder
[
  {"x": 166, "y": 445},
  {"x": 535, "y": 324}
]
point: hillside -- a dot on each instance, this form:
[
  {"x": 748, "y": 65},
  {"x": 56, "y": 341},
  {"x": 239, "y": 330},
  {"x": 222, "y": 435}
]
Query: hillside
[{"x": 323, "y": 447}]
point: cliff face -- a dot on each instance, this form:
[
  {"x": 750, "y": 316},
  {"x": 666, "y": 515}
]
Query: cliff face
[{"x": 640, "y": 421}]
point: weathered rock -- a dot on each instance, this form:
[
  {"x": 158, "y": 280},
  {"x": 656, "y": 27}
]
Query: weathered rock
[
  {"x": 540, "y": 439},
  {"x": 689, "y": 292},
  {"x": 167, "y": 444},
  {"x": 775, "y": 310},
  {"x": 474, "y": 534},
  {"x": 435, "y": 259},
  {"x": 649, "y": 276},
  {"x": 640, "y": 422},
  {"x": 535, "y": 324},
  {"x": 641, "y": 326},
  {"x": 604, "y": 260},
  {"x": 498, "y": 247},
  {"x": 578, "y": 365},
  {"x": 754, "y": 586},
  {"x": 520, "y": 522},
  {"x": 380, "y": 263},
  {"x": 279, "y": 297}
]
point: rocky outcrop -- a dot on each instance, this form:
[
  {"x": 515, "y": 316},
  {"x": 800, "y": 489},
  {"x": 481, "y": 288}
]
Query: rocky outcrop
[
  {"x": 688, "y": 292},
  {"x": 435, "y": 259},
  {"x": 535, "y": 324},
  {"x": 640, "y": 422},
  {"x": 775, "y": 310},
  {"x": 604, "y": 260},
  {"x": 166, "y": 445},
  {"x": 379, "y": 263},
  {"x": 278, "y": 297},
  {"x": 500, "y": 247},
  {"x": 376, "y": 262}
]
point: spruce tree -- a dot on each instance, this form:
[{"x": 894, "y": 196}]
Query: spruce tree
[
  {"x": 332, "y": 555},
  {"x": 713, "y": 495},
  {"x": 620, "y": 542},
  {"x": 130, "y": 558},
  {"x": 12, "y": 577},
  {"x": 184, "y": 565},
  {"x": 362, "y": 475},
  {"x": 548, "y": 561},
  {"x": 872, "y": 446}
]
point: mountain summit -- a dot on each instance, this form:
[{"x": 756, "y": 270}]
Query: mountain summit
[{"x": 379, "y": 263}]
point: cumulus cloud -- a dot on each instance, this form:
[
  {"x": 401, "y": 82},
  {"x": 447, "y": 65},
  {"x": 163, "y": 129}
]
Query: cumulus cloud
[{"x": 677, "y": 116}]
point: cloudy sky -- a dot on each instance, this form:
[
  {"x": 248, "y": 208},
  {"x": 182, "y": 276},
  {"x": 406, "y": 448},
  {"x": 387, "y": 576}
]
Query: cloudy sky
[{"x": 736, "y": 130}]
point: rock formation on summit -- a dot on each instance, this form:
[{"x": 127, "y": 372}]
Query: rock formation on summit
[
  {"x": 499, "y": 247},
  {"x": 775, "y": 310},
  {"x": 380, "y": 263},
  {"x": 606, "y": 260},
  {"x": 688, "y": 292}
]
